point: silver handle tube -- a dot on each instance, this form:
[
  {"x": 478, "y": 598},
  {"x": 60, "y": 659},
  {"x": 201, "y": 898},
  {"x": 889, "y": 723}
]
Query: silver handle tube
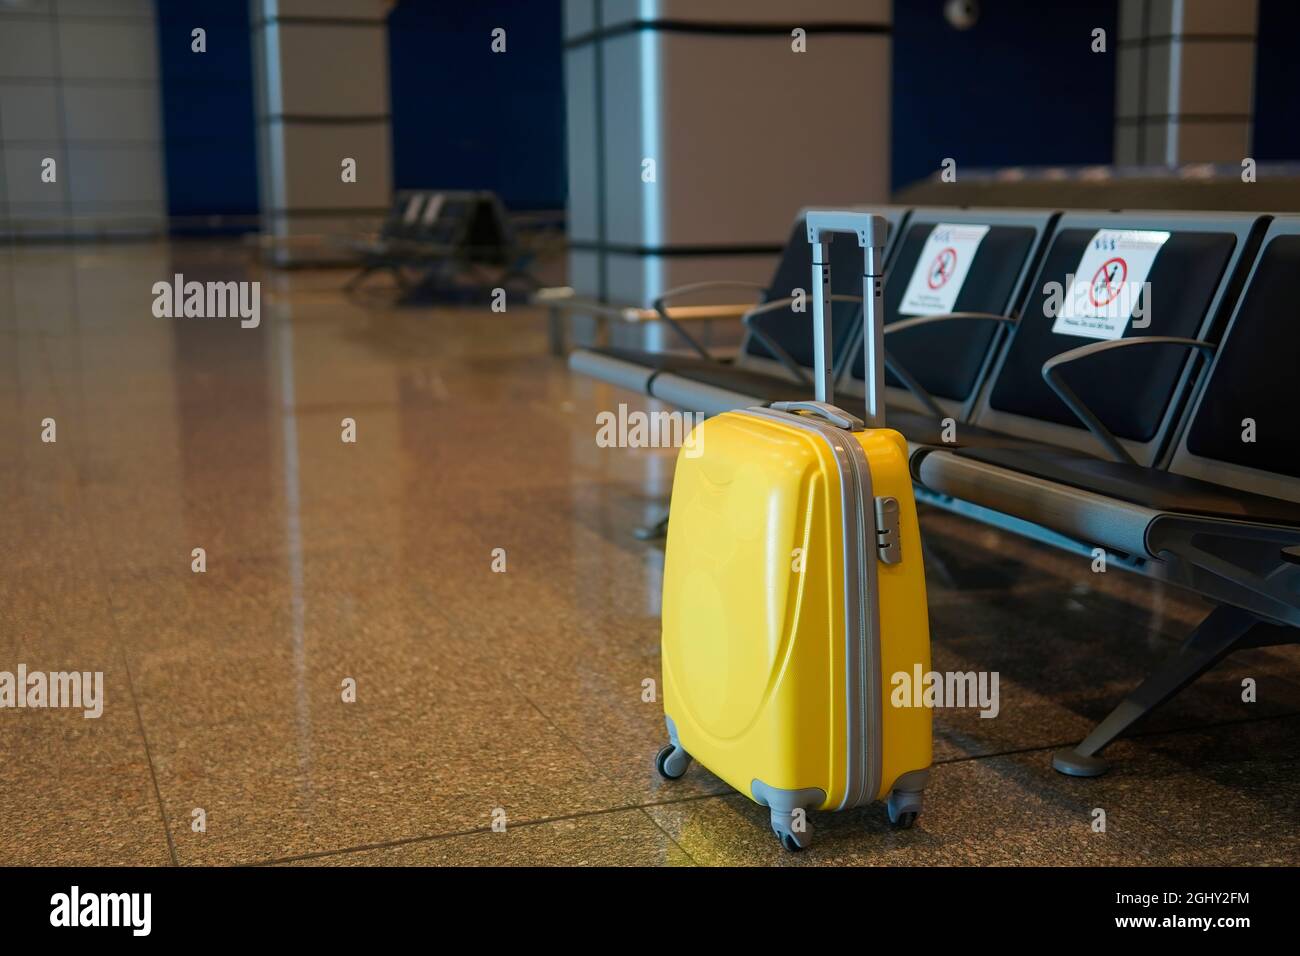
[
  {"x": 873, "y": 336},
  {"x": 823, "y": 377},
  {"x": 870, "y": 231}
]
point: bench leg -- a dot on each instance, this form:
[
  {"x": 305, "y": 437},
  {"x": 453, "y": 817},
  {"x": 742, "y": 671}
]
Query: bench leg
[
  {"x": 1225, "y": 630},
  {"x": 654, "y": 531},
  {"x": 556, "y": 329},
  {"x": 357, "y": 279},
  {"x": 404, "y": 284}
]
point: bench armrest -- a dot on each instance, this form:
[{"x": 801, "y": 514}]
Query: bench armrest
[
  {"x": 659, "y": 306},
  {"x": 1082, "y": 411},
  {"x": 918, "y": 390},
  {"x": 783, "y": 356},
  {"x": 552, "y": 295}
]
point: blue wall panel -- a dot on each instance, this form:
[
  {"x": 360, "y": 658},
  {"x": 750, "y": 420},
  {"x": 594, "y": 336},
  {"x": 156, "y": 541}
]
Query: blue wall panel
[
  {"x": 1022, "y": 87},
  {"x": 1277, "y": 77},
  {"x": 467, "y": 118},
  {"x": 207, "y": 109}
]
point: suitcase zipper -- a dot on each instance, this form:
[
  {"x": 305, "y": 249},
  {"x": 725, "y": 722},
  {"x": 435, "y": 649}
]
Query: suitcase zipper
[
  {"x": 862, "y": 770},
  {"x": 866, "y": 657}
]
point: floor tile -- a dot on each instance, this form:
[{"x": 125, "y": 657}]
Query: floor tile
[
  {"x": 625, "y": 838},
  {"x": 77, "y": 791}
]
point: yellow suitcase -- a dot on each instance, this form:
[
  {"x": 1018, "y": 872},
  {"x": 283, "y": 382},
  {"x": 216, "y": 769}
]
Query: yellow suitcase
[{"x": 794, "y": 590}]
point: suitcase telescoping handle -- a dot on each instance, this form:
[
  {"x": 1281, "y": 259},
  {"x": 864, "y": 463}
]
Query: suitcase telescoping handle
[{"x": 871, "y": 231}]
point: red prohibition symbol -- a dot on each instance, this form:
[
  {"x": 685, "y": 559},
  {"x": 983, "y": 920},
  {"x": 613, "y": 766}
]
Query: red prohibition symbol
[
  {"x": 941, "y": 270},
  {"x": 1107, "y": 282}
]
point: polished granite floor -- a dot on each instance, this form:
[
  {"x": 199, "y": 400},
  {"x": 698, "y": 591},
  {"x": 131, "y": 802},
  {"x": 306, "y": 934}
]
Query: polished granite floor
[{"x": 475, "y": 690}]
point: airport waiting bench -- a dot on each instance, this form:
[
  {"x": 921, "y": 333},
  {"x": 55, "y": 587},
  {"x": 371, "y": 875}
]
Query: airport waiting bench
[
  {"x": 439, "y": 235},
  {"x": 1216, "y": 509},
  {"x": 1164, "y": 440}
]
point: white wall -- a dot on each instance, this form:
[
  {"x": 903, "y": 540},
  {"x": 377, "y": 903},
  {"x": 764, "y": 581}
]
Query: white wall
[
  {"x": 322, "y": 96},
  {"x": 79, "y": 84}
]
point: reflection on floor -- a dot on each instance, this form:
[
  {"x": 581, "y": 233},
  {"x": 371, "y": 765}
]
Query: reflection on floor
[{"x": 225, "y": 737}]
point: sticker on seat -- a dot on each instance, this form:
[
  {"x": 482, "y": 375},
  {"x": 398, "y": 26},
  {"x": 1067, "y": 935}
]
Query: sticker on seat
[
  {"x": 1107, "y": 284},
  {"x": 942, "y": 268}
]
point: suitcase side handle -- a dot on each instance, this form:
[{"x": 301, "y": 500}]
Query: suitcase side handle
[
  {"x": 836, "y": 416},
  {"x": 871, "y": 231}
]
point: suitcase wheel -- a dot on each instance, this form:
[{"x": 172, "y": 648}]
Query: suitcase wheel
[
  {"x": 789, "y": 841},
  {"x": 903, "y": 807},
  {"x": 671, "y": 762},
  {"x": 783, "y": 827}
]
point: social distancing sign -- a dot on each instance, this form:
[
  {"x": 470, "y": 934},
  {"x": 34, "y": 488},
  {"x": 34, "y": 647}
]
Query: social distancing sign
[
  {"x": 1108, "y": 283},
  {"x": 941, "y": 271}
]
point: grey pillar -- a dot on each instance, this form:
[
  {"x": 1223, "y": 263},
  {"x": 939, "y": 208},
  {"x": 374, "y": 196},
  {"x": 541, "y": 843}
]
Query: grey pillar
[
  {"x": 742, "y": 130},
  {"x": 1185, "y": 90},
  {"x": 322, "y": 97},
  {"x": 79, "y": 85}
]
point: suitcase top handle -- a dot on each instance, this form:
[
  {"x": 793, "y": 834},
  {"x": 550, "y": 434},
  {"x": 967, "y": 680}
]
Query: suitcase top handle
[{"x": 871, "y": 231}]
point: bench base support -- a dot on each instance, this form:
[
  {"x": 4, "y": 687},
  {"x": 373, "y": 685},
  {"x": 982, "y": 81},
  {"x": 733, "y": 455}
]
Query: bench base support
[
  {"x": 653, "y": 532},
  {"x": 1224, "y": 630}
]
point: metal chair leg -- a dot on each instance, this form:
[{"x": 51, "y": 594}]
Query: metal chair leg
[
  {"x": 654, "y": 531},
  {"x": 1223, "y": 631},
  {"x": 357, "y": 279},
  {"x": 555, "y": 328}
]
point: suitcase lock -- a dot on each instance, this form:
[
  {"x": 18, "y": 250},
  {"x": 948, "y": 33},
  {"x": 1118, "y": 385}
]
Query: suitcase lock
[{"x": 889, "y": 546}]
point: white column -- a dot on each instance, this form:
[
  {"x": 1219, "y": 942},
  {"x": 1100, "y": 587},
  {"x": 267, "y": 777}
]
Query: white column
[
  {"x": 1185, "y": 90},
  {"x": 741, "y": 129},
  {"x": 322, "y": 97}
]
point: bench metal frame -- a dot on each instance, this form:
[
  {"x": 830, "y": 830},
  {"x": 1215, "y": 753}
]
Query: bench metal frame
[{"x": 1237, "y": 564}]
